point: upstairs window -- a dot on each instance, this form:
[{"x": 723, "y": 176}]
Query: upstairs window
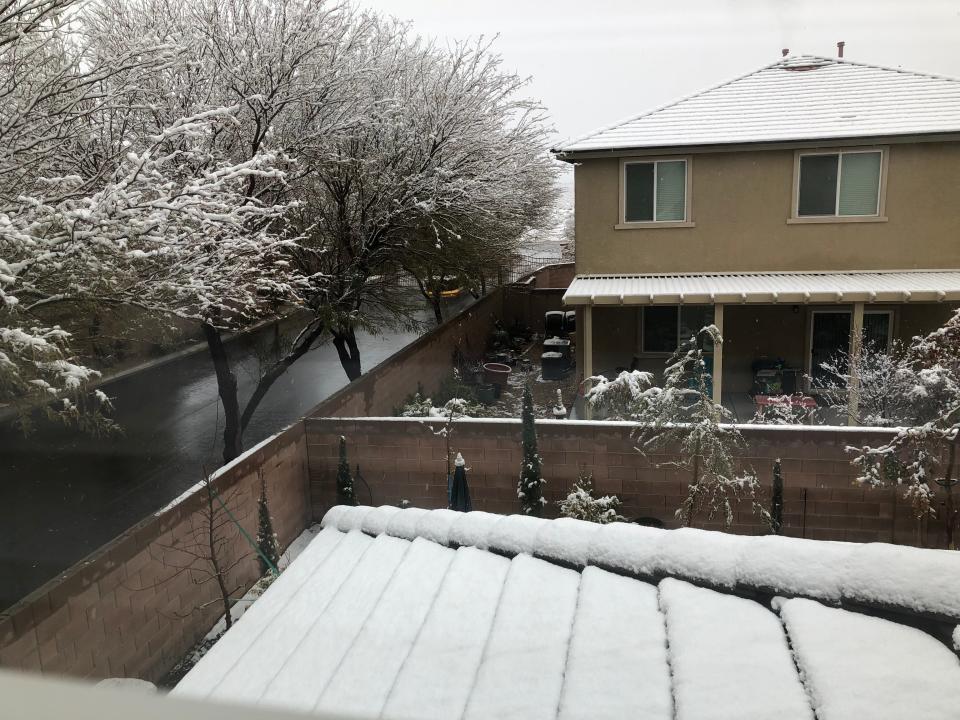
[
  {"x": 840, "y": 184},
  {"x": 655, "y": 191}
]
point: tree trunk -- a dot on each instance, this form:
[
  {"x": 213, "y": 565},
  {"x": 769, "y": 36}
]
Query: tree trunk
[
  {"x": 437, "y": 307},
  {"x": 227, "y": 389},
  {"x": 214, "y": 561},
  {"x": 345, "y": 341},
  {"x": 950, "y": 512},
  {"x": 303, "y": 343}
]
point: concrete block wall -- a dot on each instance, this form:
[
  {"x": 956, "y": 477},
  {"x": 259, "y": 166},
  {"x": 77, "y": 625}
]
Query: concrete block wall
[
  {"x": 403, "y": 459},
  {"x": 126, "y": 610}
]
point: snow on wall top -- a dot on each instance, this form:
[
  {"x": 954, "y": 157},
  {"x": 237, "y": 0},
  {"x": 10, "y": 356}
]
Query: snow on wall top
[
  {"x": 878, "y": 574},
  {"x": 393, "y": 627},
  {"x": 798, "y": 98}
]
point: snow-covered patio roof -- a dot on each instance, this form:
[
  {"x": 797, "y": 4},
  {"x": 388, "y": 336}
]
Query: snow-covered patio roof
[
  {"x": 765, "y": 287},
  {"x": 434, "y": 614}
]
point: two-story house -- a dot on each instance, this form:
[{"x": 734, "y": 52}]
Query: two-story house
[{"x": 799, "y": 207}]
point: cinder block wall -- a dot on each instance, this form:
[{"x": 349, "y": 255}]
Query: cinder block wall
[
  {"x": 126, "y": 610},
  {"x": 403, "y": 459}
]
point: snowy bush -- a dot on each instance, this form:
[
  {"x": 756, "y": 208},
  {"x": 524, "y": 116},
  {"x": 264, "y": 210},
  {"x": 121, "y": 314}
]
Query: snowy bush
[
  {"x": 580, "y": 504},
  {"x": 924, "y": 455},
  {"x": 681, "y": 418},
  {"x": 883, "y": 384}
]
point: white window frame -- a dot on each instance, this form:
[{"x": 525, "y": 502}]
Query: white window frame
[
  {"x": 687, "y": 221},
  {"x": 879, "y": 216}
]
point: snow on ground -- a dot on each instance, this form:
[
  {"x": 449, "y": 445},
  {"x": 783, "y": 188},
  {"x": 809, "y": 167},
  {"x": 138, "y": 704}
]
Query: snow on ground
[
  {"x": 363, "y": 680},
  {"x": 729, "y": 658},
  {"x": 521, "y": 674},
  {"x": 246, "y": 666},
  {"x": 618, "y": 652},
  {"x": 856, "y": 666},
  {"x": 299, "y": 680},
  {"x": 435, "y": 680}
]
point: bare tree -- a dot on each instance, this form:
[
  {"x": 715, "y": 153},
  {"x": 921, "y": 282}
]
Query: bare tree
[{"x": 208, "y": 553}]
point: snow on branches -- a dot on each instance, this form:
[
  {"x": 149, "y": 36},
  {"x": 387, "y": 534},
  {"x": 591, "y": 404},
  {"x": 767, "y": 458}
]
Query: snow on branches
[
  {"x": 580, "y": 504},
  {"x": 923, "y": 455},
  {"x": 681, "y": 418}
]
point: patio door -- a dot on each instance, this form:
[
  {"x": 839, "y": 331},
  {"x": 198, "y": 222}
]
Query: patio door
[{"x": 829, "y": 335}]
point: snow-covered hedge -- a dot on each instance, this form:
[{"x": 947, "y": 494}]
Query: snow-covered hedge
[{"x": 880, "y": 574}]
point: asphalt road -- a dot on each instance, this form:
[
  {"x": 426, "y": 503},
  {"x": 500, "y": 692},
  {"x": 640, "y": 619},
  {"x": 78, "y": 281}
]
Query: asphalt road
[{"x": 63, "y": 495}]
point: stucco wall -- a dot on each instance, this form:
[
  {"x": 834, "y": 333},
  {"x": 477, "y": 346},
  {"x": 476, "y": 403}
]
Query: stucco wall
[{"x": 740, "y": 205}]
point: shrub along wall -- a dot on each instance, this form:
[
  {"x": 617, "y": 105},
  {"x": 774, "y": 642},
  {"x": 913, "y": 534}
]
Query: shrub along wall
[
  {"x": 403, "y": 459},
  {"x": 126, "y": 610}
]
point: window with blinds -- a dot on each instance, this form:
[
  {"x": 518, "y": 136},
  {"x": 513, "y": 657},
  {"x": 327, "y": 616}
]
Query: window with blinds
[
  {"x": 655, "y": 191},
  {"x": 842, "y": 184}
]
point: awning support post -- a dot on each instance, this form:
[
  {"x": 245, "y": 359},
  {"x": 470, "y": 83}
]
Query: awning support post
[
  {"x": 587, "y": 357},
  {"x": 718, "y": 356},
  {"x": 856, "y": 347}
]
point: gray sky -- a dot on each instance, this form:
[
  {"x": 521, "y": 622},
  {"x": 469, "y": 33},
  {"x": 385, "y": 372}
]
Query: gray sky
[{"x": 593, "y": 62}]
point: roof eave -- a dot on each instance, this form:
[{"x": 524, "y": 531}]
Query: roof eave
[{"x": 572, "y": 156}]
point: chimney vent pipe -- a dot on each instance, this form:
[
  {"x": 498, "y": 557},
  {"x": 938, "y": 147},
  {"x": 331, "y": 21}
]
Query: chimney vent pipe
[{"x": 840, "y": 48}]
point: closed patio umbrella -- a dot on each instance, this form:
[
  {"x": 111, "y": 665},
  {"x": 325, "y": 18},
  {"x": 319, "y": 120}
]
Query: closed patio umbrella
[{"x": 459, "y": 491}]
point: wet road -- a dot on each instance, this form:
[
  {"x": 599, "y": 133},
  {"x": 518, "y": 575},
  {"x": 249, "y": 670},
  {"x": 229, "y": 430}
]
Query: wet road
[{"x": 63, "y": 495}]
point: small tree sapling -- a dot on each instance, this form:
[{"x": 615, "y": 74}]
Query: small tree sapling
[
  {"x": 776, "y": 500},
  {"x": 682, "y": 418},
  {"x": 269, "y": 557},
  {"x": 530, "y": 485},
  {"x": 346, "y": 493}
]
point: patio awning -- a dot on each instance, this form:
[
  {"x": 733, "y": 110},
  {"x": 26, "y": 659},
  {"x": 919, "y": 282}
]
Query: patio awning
[{"x": 765, "y": 288}]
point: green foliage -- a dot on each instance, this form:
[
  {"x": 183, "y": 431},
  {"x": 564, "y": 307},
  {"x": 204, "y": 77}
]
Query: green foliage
[
  {"x": 266, "y": 537},
  {"x": 776, "y": 500},
  {"x": 580, "y": 504},
  {"x": 452, "y": 387},
  {"x": 346, "y": 495},
  {"x": 681, "y": 418},
  {"x": 530, "y": 486}
]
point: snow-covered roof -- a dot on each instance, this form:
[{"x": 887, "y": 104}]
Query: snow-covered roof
[
  {"x": 515, "y": 617},
  {"x": 765, "y": 287},
  {"x": 795, "y": 99}
]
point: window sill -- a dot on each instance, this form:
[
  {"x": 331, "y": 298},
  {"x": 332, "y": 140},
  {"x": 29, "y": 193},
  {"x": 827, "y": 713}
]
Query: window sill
[
  {"x": 836, "y": 219},
  {"x": 654, "y": 225}
]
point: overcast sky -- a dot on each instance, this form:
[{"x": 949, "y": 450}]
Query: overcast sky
[{"x": 593, "y": 62}]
